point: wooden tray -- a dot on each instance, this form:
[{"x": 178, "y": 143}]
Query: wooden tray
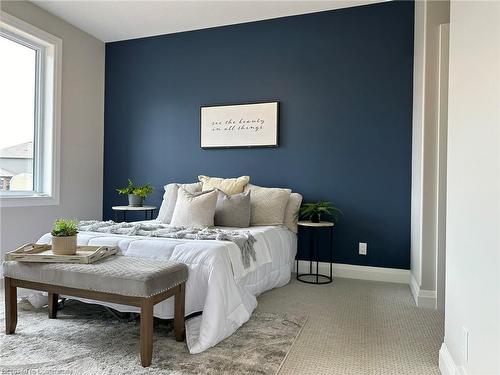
[{"x": 43, "y": 254}]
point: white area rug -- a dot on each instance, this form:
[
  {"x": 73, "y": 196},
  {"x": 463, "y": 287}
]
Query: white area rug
[{"x": 88, "y": 339}]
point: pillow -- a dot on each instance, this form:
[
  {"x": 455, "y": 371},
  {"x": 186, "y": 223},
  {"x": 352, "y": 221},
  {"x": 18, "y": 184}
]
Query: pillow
[
  {"x": 293, "y": 205},
  {"x": 268, "y": 205},
  {"x": 233, "y": 210},
  {"x": 170, "y": 197},
  {"x": 194, "y": 210},
  {"x": 227, "y": 185}
]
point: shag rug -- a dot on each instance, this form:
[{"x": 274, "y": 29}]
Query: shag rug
[{"x": 90, "y": 339}]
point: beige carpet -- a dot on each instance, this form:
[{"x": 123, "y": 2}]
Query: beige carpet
[
  {"x": 353, "y": 327},
  {"x": 358, "y": 327}
]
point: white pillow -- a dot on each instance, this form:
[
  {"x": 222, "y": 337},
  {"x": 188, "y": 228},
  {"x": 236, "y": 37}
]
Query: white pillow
[
  {"x": 229, "y": 186},
  {"x": 170, "y": 197},
  {"x": 292, "y": 207},
  {"x": 194, "y": 210},
  {"x": 268, "y": 205}
]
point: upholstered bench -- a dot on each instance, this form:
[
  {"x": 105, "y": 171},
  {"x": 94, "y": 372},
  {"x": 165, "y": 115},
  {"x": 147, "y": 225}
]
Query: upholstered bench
[{"x": 125, "y": 280}]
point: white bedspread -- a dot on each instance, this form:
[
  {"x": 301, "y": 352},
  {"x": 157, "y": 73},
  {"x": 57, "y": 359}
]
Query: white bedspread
[{"x": 218, "y": 284}]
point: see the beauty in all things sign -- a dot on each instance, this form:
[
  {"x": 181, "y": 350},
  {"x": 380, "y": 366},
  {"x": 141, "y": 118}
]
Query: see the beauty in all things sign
[{"x": 240, "y": 125}]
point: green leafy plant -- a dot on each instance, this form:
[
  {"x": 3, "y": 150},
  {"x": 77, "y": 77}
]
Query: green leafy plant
[
  {"x": 141, "y": 191},
  {"x": 65, "y": 228},
  {"x": 314, "y": 211},
  {"x": 127, "y": 189}
]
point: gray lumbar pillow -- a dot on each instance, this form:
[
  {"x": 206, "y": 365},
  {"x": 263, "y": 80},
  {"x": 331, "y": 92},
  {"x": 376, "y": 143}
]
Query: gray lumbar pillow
[
  {"x": 233, "y": 210},
  {"x": 194, "y": 210}
]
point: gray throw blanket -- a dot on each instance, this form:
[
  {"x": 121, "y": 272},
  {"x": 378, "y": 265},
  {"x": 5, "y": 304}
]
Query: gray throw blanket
[{"x": 244, "y": 240}]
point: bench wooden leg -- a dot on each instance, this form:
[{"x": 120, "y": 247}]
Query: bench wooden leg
[
  {"x": 146, "y": 331},
  {"x": 179, "y": 327},
  {"x": 10, "y": 307},
  {"x": 53, "y": 299}
]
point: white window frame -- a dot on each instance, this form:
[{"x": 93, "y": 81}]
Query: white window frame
[{"x": 47, "y": 146}]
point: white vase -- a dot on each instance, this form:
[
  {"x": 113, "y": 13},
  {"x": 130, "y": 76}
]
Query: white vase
[{"x": 64, "y": 245}]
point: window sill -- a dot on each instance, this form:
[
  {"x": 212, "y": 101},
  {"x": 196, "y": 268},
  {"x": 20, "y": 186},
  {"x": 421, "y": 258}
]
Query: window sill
[{"x": 27, "y": 201}]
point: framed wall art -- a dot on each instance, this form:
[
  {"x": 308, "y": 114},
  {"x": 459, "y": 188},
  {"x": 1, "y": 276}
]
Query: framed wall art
[{"x": 239, "y": 125}]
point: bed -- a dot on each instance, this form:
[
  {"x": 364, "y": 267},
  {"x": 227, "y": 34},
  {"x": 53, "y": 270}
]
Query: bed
[{"x": 219, "y": 285}]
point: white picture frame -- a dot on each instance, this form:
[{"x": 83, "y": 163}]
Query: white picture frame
[{"x": 239, "y": 125}]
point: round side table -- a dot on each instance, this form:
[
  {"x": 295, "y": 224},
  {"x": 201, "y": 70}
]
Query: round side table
[
  {"x": 147, "y": 210},
  {"x": 316, "y": 278}
]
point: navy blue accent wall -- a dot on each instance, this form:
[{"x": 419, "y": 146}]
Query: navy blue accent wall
[{"x": 344, "y": 82}]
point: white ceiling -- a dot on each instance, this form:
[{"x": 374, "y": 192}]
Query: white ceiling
[{"x": 119, "y": 20}]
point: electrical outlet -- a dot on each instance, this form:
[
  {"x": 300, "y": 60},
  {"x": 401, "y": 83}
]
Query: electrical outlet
[
  {"x": 465, "y": 344},
  {"x": 363, "y": 248}
]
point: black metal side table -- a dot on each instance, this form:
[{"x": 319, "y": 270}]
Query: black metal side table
[
  {"x": 316, "y": 278},
  {"x": 148, "y": 211}
]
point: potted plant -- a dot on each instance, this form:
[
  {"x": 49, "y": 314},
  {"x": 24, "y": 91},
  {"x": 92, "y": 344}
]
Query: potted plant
[
  {"x": 314, "y": 211},
  {"x": 136, "y": 194},
  {"x": 64, "y": 237}
]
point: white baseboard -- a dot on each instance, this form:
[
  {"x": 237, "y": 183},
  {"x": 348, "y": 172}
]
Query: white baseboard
[
  {"x": 447, "y": 365},
  {"x": 349, "y": 271},
  {"x": 423, "y": 298}
]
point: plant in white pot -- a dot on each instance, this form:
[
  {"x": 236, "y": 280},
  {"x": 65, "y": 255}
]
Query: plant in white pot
[
  {"x": 136, "y": 194},
  {"x": 64, "y": 237}
]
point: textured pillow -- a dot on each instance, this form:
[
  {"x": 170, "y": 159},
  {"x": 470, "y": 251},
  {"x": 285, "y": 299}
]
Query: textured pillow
[
  {"x": 268, "y": 205},
  {"x": 292, "y": 207},
  {"x": 194, "y": 210},
  {"x": 227, "y": 185},
  {"x": 170, "y": 197},
  {"x": 233, "y": 210}
]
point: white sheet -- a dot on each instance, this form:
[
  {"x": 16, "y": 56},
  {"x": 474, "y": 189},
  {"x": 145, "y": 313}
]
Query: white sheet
[{"x": 218, "y": 284}]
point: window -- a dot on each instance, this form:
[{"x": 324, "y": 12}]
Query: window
[
  {"x": 30, "y": 70},
  {"x": 18, "y": 122}
]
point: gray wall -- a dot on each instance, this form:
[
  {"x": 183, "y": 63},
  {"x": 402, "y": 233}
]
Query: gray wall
[
  {"x": 428, "y": 16},
  {"x": 82, "y": 126}
]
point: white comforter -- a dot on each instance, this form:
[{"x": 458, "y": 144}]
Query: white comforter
[{"x": 218, "y": 284}]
